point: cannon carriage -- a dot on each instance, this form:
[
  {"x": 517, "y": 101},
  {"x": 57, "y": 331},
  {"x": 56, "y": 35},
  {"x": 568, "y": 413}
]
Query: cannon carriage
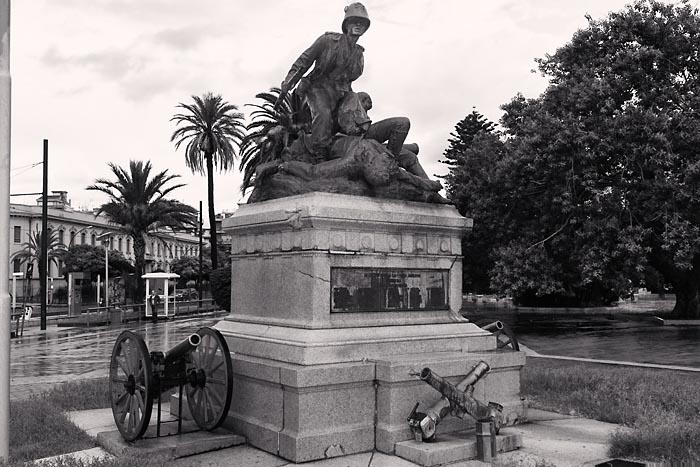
[{"x": 200, "y": 366}]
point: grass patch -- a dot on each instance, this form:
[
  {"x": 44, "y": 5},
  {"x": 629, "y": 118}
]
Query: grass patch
[
  {"x": 660, "y": 407},
  {"x": 39, "y": 425},
  {"x": 39, "y": 429},
  {"x": 126, "y": 461},
  {"x": 80, "y": 395}
]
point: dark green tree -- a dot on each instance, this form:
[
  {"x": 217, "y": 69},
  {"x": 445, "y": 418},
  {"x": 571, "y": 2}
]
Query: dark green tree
[
  {"x": 138, "y": 203},
  {"x": 474, "y": 153},
  {"x": 90, "y": 259},
  {"x": 212, "y": 129},
  {"x": 187, "y": 267},
  {"x": 271, "y": 130},
  {"x": 463, "y": 135},
  {"x": 601, "y": 174}
]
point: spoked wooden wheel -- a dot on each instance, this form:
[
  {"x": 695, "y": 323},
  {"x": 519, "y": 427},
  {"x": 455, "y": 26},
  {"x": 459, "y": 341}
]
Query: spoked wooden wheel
[
  {"x": 210, "y": 383},
  {"x": 131, "y": 385},
  {"x": 505, "y": 338}
]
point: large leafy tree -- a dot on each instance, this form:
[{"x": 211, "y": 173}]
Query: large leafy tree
[
  {"x": 271, "y": 130},
  {"x": 138, "y": 202},
  {"x": 212, "y": 129},
  {"x": 602, "y": 171},
  {"x": 187, "y": 267},
  {"x": 90, "y": 259}
]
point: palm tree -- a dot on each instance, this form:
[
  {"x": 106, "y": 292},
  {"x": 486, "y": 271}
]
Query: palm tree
[
  {"x": 31, "y": 251},
  {"x": 138, "y": 203},
  {"x": 211, "y": 128},
  {"x": 271, "y": 130}
]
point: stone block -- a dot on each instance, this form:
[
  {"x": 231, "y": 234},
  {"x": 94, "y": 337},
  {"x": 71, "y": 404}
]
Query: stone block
[
  {"x": 170, "y": 445},
  {"x": 457, "y": 447}
]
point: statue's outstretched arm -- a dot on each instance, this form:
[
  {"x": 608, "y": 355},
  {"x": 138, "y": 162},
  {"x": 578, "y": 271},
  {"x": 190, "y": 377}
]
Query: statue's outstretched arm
[{"x": 302, "y": 64}]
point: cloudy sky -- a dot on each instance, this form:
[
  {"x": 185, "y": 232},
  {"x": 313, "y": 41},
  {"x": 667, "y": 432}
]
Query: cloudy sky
[{"x": 100, "y": 79}]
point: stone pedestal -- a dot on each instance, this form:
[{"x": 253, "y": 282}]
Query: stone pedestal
[{"x": 313, "y": 379}]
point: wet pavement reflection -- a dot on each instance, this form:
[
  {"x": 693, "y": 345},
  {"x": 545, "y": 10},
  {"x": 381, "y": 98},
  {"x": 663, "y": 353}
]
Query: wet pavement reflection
[
  {"x": 41, "y": 359},
  {"x": 607, "y": 337}
]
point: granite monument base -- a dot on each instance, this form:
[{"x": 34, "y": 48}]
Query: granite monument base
[{"x": 335, "y": 299}]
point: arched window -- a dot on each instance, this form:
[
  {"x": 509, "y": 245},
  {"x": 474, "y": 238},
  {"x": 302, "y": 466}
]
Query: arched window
[
  {"x": 61, "y": 236},
  {"x": 119, "y": 242},
  {"x": 82, "y": 238},
  {"x": 128, "y": 246},
  {"x": 93, "y": 239}
]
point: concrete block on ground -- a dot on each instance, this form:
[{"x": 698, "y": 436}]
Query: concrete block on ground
[
  {"x": 191, "y": 441},
  {"x": 453, "y": 447}
]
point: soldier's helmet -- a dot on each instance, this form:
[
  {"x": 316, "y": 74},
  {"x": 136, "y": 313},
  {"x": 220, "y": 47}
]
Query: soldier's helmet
[{"x": 356, "y": 11}]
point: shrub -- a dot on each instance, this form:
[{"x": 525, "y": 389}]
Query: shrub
[{"x": 220, "y": 283}]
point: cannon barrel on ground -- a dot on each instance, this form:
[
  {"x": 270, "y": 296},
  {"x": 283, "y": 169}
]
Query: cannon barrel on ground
[
  {"x": 461, "y": 400},
  {"x": 442, "y": 407}
]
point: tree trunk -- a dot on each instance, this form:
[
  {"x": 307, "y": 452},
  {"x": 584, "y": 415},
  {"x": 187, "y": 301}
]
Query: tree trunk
[
  {"x": 686, "y": 284},
  {"x": 687, "y": 300},
  {"x": 212, "y": 213},
  {"x": 139, "y": 265}
]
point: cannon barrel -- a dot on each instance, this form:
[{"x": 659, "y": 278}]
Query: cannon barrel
[
  {"x": 496, "y": 325},
  {"x": 461, "y": 400},
  {"x": 183, "y": 348},
  {"x": 442, "y": 407}
]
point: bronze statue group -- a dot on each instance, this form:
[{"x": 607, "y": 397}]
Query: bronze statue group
[{"x": 342, "y": 151}]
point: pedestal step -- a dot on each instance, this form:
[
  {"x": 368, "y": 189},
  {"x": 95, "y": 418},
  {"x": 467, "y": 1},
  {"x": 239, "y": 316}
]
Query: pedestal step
[
  {"x": 454, "y": 447},
  {"x": 169, "y": 445}
]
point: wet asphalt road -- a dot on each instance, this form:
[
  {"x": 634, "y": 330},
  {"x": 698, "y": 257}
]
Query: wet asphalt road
[{"x": 42, "y": 359}]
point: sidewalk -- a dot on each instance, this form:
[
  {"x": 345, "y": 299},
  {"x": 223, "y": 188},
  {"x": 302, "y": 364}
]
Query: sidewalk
[{"x": 564, "y": 441}]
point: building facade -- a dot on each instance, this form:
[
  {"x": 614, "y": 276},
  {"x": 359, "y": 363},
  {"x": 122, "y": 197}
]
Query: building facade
[{"x": 76, "y": 227}]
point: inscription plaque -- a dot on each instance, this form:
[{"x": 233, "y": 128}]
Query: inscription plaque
[{"x": 380, "y": 289}]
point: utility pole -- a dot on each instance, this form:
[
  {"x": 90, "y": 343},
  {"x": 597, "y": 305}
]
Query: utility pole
[
  {"x": 200, "y": 255},
  {"x": 5, "y": 116},
  {"x": 44, "y": 257}
]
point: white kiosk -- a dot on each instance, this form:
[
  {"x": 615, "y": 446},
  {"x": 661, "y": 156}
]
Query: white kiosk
[{"x": 160, "y": 280}]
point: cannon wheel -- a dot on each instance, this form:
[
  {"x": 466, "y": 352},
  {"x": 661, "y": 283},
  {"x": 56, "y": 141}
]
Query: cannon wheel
[
  {"x": 131, "y": 385},
  {"x": 505, "y": 338},
  {"x": 209, "y": 393}
]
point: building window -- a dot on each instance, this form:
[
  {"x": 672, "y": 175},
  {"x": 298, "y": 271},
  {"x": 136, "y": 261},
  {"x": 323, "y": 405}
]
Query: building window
[
  {"x": 120, "y": 244},
  {"x": 82, "y": 238},
  {"x": 16, "y": 265},
  {"x": 61, "y": 236},
  {"x": 18, "y": 234},
  {"x": 159, "y": 249},
  {"x": 153, "y": 247},
  {"x": 128, "y": 246},
  {"x": 60, "y": 268},
  {"x": 93, "y": 239},
  {"x": 170, "y": 251}
]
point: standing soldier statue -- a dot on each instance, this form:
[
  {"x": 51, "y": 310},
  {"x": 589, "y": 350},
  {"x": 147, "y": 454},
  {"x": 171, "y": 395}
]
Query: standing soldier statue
[{"x": 338, "y": 61}]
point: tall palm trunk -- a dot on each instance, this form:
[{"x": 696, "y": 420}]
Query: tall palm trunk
[
  {"x": 212, "y": 214},
  {"x": 139, "y": 265}
]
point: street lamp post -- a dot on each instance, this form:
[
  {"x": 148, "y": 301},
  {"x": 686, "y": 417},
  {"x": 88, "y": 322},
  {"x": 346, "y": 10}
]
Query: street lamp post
[
  {"x": 105, "y": 237},
  {"x": 75, "y": 234}
]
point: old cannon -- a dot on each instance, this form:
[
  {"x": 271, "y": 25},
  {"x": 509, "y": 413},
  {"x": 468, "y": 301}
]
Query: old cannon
[
  {"x": 200, "y": 364},
  {"x": 456, "y": 400}
]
